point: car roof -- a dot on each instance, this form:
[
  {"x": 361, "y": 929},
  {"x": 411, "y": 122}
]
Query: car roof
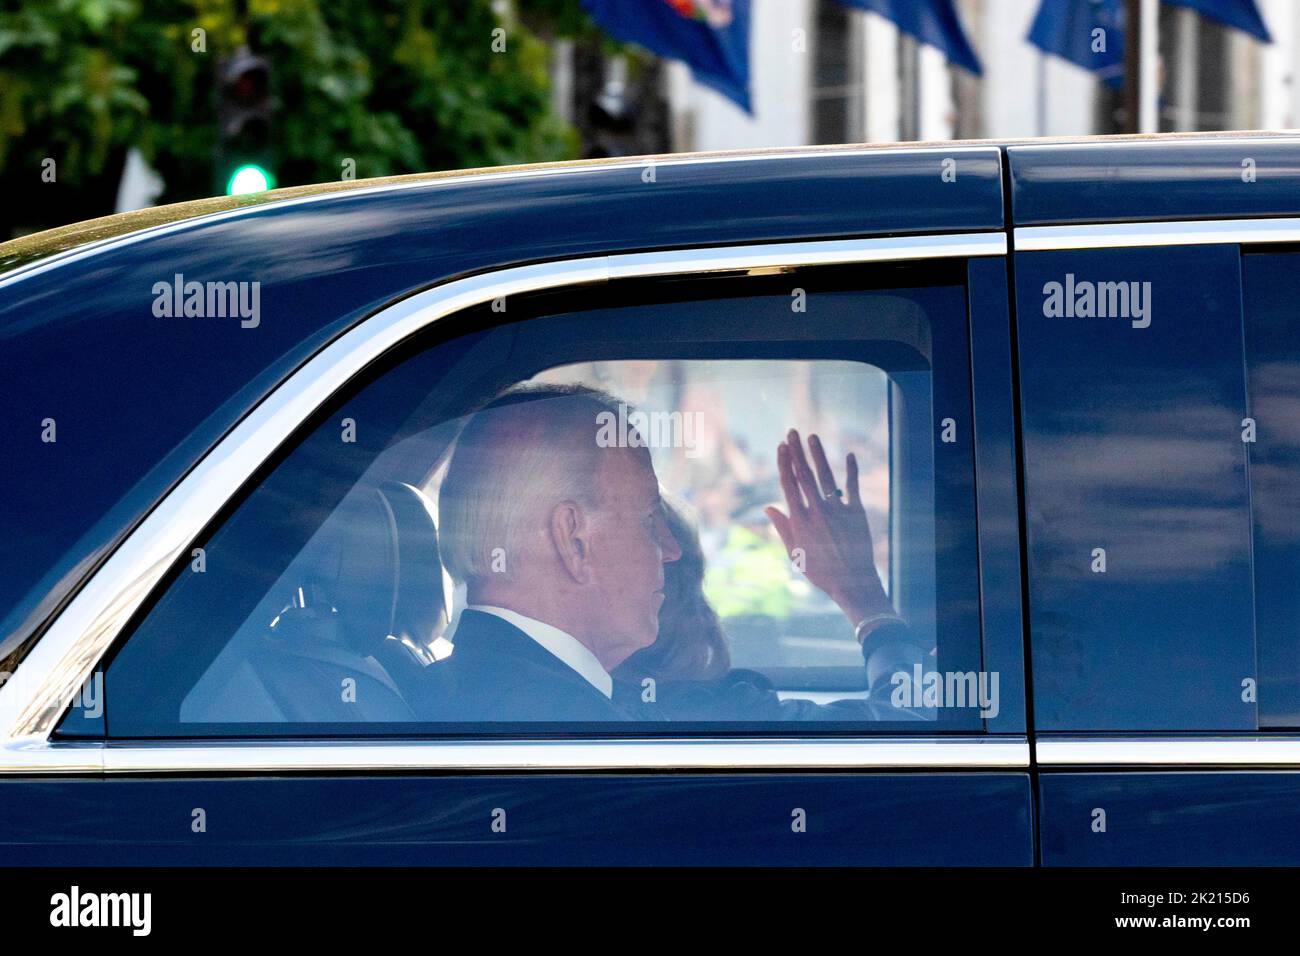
[{"x": 26, "y": 250}]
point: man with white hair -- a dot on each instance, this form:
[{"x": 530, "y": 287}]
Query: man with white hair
[{"x": 561, "y": 544}]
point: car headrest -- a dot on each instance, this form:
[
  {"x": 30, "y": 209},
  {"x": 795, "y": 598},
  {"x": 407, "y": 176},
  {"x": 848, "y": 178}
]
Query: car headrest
[
  {"x": 418, "y": 611},
  {"x": 378, "y": 564}
]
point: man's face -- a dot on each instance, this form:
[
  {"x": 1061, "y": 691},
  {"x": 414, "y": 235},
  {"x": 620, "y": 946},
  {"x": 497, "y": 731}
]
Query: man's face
[{"x": 630, "y": 543}]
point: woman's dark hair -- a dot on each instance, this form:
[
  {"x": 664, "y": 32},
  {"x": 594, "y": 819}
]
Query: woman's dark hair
[{"x": 691, "y": 645}]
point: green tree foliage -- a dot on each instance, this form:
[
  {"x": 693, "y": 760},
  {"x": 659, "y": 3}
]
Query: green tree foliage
[{"x": 395, "y": 85}]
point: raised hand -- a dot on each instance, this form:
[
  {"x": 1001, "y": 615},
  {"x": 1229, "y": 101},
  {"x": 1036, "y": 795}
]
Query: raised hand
[{"x": 825, "y": 530}]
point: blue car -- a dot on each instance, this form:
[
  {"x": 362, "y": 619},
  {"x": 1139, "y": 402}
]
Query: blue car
[{"x": 906, "y": 506}]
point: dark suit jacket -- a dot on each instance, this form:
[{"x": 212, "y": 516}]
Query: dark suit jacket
[
  {"x": 499, "y": 673},
  {"x": 736, "y": 697}
]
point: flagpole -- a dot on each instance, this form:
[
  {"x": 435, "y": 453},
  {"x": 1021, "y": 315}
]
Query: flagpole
[
  {"x": 1148, "y": 71},
  {"x": 1141, "y": 66}
]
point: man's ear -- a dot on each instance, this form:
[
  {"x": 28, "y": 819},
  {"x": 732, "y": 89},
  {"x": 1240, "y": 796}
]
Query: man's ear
[{"x": 569, "y": 537}]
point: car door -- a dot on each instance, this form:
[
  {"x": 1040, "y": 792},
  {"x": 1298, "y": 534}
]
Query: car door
[
  {"x": 1153, "y": 284},
  {"x": 264, "y": 662}
]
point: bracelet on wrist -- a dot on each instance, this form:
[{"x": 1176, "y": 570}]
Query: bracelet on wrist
[{"x": 872, "y": 621}]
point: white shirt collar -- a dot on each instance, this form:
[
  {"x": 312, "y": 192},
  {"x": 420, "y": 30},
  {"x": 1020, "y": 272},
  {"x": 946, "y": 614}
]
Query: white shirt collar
[{"x": 563, "y": 645}]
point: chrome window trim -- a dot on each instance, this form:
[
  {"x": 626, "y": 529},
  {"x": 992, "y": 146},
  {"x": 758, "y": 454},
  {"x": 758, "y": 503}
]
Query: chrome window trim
[
  {"x": 1165, "y": 752},
  {"x": 489, "y": 175},
  {"x": 1117, "y": 235},
  {"x": 1190, "y": 140},
  {"x": 36, "y": 756},
  {"x": 32, "y": 700},
  {"x": 630, "y": 754}
]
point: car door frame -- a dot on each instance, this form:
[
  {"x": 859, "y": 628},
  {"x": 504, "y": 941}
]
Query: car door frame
[{"x": 32, "y": 702}]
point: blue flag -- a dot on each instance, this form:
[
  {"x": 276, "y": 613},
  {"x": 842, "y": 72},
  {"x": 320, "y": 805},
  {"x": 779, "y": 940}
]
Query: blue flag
[
  {"x": 709, "y": 36},
  {"x": 1242, "y": 15},
  {"x": 1088, "y": 33},
  {"x": 932, "y": 22}
]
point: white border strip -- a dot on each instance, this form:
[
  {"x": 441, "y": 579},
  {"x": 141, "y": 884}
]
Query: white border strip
[
  {"x": 34, "y": 697},
  {"x": 1133, "y": 234},
  {"x": 1169, "y": 752}
]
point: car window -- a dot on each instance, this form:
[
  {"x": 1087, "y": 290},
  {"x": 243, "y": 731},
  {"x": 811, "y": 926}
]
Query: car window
[
  {"x": 1137, "y": 506},
  {"x": 629, "y": 510},
  {"x": 1271, "y": 283}
]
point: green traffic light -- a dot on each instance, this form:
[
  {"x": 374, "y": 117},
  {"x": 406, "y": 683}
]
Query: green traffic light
[{"x": 249, "y": 179}]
